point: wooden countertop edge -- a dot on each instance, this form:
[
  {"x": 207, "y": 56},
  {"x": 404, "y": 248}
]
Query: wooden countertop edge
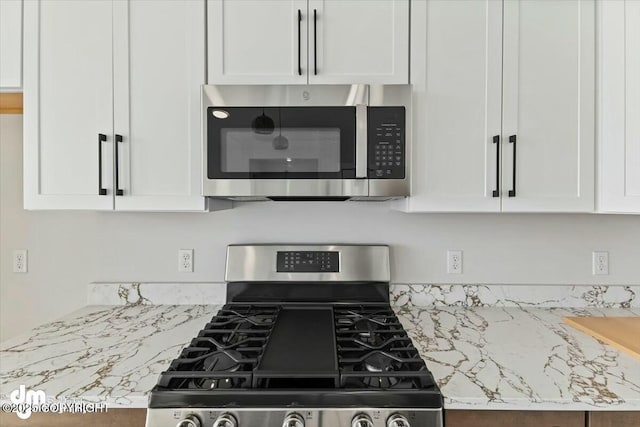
[
  {"x": 571, "y": 322},
  {"x": 10, "y": 103}
]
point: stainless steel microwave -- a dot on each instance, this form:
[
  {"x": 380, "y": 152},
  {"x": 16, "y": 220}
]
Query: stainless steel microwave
[{"x": 345, "y": 142}]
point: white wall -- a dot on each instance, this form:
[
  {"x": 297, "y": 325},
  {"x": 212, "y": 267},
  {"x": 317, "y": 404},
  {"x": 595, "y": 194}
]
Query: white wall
[{"x": 69, "y": 249}]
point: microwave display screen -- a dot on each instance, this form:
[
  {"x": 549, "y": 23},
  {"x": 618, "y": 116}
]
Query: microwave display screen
[{"x": 283, "y": 150}]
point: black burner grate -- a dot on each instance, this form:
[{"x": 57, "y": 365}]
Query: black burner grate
[
  {"x": 226, "y": 352},
  {"x": 242, "y": 348},
  {"x": 375, "y": 352}
]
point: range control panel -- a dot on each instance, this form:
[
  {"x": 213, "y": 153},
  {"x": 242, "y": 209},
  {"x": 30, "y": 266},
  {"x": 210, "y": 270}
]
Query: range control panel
[
  {"x": 386, "y": 141},
  {"x": 308, "y": 262}
]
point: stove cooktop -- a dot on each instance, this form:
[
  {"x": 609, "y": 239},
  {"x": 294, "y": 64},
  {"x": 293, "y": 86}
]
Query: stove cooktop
[
  {"x": 321, "y": 355},
  {"x": 307, "y": 339}
]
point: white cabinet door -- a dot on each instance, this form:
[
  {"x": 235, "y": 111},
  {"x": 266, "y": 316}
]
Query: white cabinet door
[
  {"x": 456, "y": 77},
  {"x": 159, "y": 65},
  {"x": 67, "y": 104},
  {"x": 257, "y": 41},
  {"x": 355, "y": 41},
  {"x": 619, "y": 110},
  {"x": 548, "y": 104},
  {"x": 10, "y": 44}
]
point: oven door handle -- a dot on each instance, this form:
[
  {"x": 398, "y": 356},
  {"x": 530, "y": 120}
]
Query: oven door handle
[{"x": 361, "y": 141}]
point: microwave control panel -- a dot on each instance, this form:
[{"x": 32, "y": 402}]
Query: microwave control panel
[
  {"x": 308, "y": 262},
  {"x": 386, "y": 141}
]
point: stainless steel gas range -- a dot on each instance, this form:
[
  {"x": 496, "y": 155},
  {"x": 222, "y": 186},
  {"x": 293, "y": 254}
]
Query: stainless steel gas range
[{"x": 307, "y": 339}]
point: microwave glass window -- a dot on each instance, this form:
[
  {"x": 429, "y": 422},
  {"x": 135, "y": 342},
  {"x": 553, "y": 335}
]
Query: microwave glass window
[
  {"x": 281, "y": 143},
  {"x": 285, "y": 150}
]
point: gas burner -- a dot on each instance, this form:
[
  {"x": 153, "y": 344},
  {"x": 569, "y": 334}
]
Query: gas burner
[
  {"x": 359, "y": 321},
  {"x": 236, "y": 335},
  {"x": 380, "y": 362},
  {"x": 218, "y": 362},
  {"x": 235, "y": 326},
  {"x": 366, "y": 327},
  {"x": 244, "y": 321},
  {"x": 224, "y": 361},
  {"x": 212, "y": 383},
  {"x": 370, "y": 323},
  {"x": 382, "y": 382}
]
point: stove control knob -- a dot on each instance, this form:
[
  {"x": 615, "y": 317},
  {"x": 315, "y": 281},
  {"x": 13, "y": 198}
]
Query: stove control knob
[
  {"x": 293, "y": 420},
  {"x": 190, "y": 421},
  {"x": 362, "y": 420},
  {"x": 226, "y": 420},
  {"x": 397, "y": 420}
]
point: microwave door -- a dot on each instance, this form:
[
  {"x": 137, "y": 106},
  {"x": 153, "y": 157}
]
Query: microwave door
[
  {"x": 295, "y": 141},
  {"x": 281, "y": 143}
]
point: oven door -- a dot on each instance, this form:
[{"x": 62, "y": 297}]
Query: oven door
[{"x": 302, "y": 152}]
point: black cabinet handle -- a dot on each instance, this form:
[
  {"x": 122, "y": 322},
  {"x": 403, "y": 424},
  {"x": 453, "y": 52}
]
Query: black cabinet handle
[
  {"x": 315, "y": 42},
  {"x": 496, "y": 140},
  {"x": 101, "y": 138},
  {"x": 512, "y": 140},
  {"x": 119, "y": 192},
  {"x": 299, "y": 42}
]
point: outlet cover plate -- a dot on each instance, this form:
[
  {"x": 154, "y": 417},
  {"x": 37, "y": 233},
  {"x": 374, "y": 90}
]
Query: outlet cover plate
[
  {"x": 600, "y": 263},
  {"x": 454, "y": 262},
  {"x": 185, "y": 260},
  {"x": 20, "y": 262}
]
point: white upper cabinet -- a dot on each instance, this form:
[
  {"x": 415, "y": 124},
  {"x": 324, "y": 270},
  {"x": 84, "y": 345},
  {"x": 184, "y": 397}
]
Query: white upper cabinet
[
  {"x": 159, "y": 65},
  {"x": 111, "y": 90},
  {"x": 308, "y": 41},
  {"x": 10, "y": 44},
  {"x": 355, "y": 41},
  {"x": 68, "y": 123},
  {"x": 498, "y": 84},
  {"x": 548, "y": 106},
  {"x": 456, "y": 77},
  {"x": 257, "y": 41},
  {"x": 619, "y": 108}
]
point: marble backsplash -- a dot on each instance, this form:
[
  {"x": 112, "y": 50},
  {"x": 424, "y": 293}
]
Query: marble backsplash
[
  {"x": 156, "y": 293},
  {"x": 402, "y": 295},
  {"x": 410, "y": 295}
]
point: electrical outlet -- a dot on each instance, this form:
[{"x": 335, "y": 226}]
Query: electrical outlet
[
  {"x": 185, "y": 260},
  {"x": 600, "y": 263},
  {"x": 454, "y": 262},
  {"x": 20, "y": 261}
]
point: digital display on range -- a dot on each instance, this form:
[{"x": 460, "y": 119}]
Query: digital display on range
[{"x": 308, "y": 262}]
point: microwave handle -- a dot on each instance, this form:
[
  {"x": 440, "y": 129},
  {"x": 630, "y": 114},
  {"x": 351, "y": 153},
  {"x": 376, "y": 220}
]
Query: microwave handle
[{"x": 361, "y": 142}]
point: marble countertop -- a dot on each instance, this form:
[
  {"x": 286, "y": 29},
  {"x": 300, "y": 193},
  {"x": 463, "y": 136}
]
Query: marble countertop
[
  {"x": 101, "y": 353},
  {"x": 522, "y": 358},
  {"x": 482, "y": 357}
]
